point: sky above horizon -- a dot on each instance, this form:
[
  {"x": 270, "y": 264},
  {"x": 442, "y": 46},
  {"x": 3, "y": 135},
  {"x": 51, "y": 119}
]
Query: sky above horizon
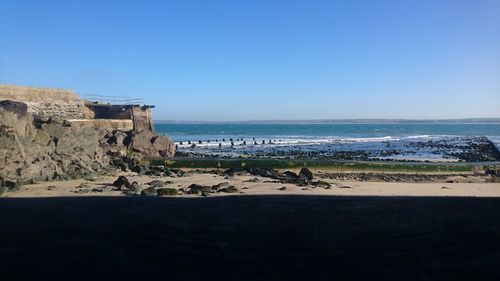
[{"x": 262, "y": 60}]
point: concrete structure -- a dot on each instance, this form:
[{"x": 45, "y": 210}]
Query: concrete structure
[
  {"x": 61, "y": 103},
  {"x": 68, "y": 105},
  {"x": 139, "y": 115}
]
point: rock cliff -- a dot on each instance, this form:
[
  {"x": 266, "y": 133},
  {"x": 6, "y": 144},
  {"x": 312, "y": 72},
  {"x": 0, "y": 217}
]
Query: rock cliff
[
  {"x": 50, "y": 148},
  {"x": 55, "y": 150}
]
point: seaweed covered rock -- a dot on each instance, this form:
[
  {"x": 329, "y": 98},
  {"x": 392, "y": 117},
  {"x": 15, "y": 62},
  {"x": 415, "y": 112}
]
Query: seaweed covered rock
[
  {"x": 150, "y": 191},
  {"x": 167, "y": 191}
]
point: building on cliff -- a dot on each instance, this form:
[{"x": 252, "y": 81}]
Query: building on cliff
[
  {"x": 120, "y": 114},
  {"x": 53, "y": 134}
]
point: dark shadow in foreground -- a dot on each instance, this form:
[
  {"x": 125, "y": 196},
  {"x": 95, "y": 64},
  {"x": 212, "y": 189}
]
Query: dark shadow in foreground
[{"x": 251, "y": 238}]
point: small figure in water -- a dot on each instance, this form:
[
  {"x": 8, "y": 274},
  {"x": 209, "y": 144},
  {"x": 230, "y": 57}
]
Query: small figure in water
[
  {"x": 220, "y": 145},
  {"x": 232, "y": 144},
  {"x": 199, "y": 142},
  {"x": 189, "y": 142}
]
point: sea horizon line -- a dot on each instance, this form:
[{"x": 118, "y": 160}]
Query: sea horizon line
[{"x": 492, "y": 120}]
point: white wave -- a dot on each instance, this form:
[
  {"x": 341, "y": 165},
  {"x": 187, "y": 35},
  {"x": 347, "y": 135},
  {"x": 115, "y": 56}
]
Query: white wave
[
  {"x": 277, "y": 142},
  {"x": 417, "y": 137}
]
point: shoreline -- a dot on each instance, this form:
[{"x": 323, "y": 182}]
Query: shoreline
[
  {"x": 422, "y": 148},
  {"x": 247, "y": 184}
]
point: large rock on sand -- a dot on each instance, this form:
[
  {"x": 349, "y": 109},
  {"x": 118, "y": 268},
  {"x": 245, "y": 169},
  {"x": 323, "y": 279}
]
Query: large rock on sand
[
  {"x": 150, "y": 144},
  {"x": 306, "y": 175}
]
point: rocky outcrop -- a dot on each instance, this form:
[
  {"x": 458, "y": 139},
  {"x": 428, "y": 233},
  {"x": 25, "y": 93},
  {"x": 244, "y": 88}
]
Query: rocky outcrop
[
  {"x": 151, "y": 144},
  {"x": 53, "y": 150},
  {"x": 147, "y": 143},
  {"x": 50, "y": 148}
]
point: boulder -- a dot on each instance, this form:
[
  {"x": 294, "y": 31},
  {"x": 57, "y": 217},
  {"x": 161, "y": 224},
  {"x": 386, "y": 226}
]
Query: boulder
[
  {"x": 121, "y": 181},
  {"x": 167, "y": 191},
  {"x": 134, "y": 188},
  {"x": 140, "y": 169},
  {"x": 290, "y": 176},
  {"x": 199, "y": 189},
  {"x": 118, "y": 138},
  {"x": 306, "y": 175},
  {"x": 150, "y": 191},
  {"x": 150, "y": 144}
]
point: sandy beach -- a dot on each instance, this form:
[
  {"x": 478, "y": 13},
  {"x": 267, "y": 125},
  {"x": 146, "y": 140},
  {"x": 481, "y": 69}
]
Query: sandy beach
[{"x": 452, "y": 185}]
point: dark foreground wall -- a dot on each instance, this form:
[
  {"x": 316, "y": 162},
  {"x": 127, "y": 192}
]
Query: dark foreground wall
[{"x": 251, "y": 238}]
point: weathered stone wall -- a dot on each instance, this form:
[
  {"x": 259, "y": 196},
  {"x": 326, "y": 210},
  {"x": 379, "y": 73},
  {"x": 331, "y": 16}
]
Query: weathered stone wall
[
  {"x": 105, "y": 124},
  {"x": 34, "y": 94},
  {"x": 47, "y": 101},
  {"x": 66, "y": 104},
  {"x": 65, "y": 110},
  {"x": 142, "y": 118}
]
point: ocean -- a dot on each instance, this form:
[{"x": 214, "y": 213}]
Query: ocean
[{"x": 401, "y": 141}]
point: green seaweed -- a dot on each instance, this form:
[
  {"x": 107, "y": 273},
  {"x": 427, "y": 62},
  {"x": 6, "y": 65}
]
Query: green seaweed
[{"x": 325, "y": 164}]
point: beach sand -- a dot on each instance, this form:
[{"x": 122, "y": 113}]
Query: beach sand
[{"x": 469, "y": 186}]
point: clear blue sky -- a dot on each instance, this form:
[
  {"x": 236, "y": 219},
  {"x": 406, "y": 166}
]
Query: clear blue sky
[{"x": 240, "y": 60}]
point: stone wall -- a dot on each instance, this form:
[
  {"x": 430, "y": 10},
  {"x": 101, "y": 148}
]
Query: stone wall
[
  {"x": 106, "y": 124},
  {"x": 65, "y": 110},
  {"x": 142, "y": 118},
  {"x": 61, "y": 103},
  {"x": 66, "y": 104},
  {"x": 35, "y": 94}
]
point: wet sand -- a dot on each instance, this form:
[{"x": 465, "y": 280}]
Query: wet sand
[{"x": 287, "y": 237}]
